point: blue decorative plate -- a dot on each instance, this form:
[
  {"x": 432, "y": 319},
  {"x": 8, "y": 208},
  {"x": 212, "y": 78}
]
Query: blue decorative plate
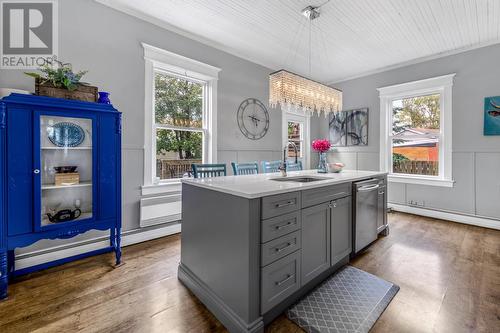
[{"x": 66, "y": 134}]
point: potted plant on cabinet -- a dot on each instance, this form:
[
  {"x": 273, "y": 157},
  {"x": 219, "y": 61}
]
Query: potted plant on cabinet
[{"x": 59, "y": 80}]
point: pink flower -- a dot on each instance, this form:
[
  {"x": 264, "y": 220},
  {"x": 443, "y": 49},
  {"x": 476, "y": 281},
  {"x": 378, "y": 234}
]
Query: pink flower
[{"x": 321, "y": 145}]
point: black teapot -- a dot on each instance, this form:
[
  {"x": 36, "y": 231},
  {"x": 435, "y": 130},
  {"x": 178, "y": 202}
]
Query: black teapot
[{"x": 64, "y": 215}]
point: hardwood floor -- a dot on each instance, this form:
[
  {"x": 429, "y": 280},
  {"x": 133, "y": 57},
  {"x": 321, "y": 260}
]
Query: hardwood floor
[{"x": 449, "y": 276}]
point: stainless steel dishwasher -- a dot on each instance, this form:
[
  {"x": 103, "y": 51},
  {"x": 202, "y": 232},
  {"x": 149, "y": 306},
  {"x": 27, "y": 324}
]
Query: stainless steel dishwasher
[{"x": 366, "y": 213}]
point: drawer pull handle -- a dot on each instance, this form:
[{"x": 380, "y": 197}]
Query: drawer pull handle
[
  {"x": 368, "y": 188},
  {"x": 281, "y": 249},
  {"x": 283, "y": 226},
  {"x": 285, "y": 280},
  {"x": 288, "y": 203}
]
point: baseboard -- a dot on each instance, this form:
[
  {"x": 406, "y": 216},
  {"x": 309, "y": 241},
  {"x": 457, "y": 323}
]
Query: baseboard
[
  {"x": 224, "y": 313},
  {"x": 70, "y": 250},
  {"x": 450, "y": 216}
]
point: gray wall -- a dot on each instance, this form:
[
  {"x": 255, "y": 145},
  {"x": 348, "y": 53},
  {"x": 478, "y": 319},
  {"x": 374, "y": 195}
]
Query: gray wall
[
  {"x": 476, "y": 158},
  {"x": 107, "y": 43}
]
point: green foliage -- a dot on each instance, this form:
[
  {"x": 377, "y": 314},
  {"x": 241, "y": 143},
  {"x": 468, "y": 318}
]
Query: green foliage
[
  {"x": 188, "y": 145},
  {"x": 61, "y": 75},
  {"x": 396, "y": 157},
  {"x": 397, "y": 125},
  {"x": 418, "y": 112},
  {"x": 179, "y": 102}
]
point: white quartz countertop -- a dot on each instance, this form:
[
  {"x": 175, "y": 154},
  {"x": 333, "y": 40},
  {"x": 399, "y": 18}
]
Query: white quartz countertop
[{"x": 261, "y": 185}]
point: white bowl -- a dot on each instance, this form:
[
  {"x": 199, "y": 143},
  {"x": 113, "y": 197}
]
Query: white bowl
[{"x": 335, "y": 167}]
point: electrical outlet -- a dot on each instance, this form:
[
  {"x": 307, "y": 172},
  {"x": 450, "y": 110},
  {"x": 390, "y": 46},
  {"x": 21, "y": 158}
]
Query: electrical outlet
[{"x": 416, "y": 203}]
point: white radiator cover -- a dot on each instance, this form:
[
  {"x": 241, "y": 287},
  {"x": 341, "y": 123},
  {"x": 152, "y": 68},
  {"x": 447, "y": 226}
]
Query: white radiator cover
[{"x": 160, "y": 209}]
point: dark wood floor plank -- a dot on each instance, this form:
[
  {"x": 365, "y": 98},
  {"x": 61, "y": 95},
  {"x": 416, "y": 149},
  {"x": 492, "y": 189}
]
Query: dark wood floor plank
[{"x": 449, "y": 276}]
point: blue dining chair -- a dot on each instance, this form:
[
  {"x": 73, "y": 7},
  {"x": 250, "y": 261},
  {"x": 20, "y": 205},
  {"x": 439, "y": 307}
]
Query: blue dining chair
[
  {"x": 245, "y": 168},
  {"x": 208, "y": 170},
  {"x": 292, "y": 166},
  {"x": 270, "y": 166}
]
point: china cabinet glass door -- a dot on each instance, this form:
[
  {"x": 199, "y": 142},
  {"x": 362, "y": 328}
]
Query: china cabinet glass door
[{"x": 66, "y": 169}]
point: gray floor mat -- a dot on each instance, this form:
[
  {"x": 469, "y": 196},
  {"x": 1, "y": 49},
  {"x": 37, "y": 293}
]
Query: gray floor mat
[{"x": 349, "y": 301}]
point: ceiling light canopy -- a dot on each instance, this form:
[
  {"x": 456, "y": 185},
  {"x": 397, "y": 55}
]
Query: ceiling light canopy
[{"x": 292, "y": 91}]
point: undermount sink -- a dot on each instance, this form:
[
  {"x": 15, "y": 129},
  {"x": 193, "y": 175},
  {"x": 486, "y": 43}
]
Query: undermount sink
[{"x": 302, "y": 179}]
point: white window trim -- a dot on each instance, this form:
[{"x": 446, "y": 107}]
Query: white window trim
[
  {"x": 438, "y": 85},
  {"x": 301, "y": 117},
  {"x": 157, "y": 59}
]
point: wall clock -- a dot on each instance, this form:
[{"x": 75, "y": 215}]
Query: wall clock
[{"x": 253, "y": 119}]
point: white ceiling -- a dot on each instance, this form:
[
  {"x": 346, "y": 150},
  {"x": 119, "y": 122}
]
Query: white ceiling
[{"x": 350, "y": 38}]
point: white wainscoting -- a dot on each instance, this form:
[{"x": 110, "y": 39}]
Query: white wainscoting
[{"x": 449, "y": 216}]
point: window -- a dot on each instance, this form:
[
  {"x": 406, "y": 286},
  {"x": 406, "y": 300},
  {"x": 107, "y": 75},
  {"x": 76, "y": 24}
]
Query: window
[
  {"x": 180, "y": 115},
  {"x": 296, "y": 135},
  {"x": 415, "y": 132},
  {"x": 178, "y": 125},
  {"x": 296, "y": 130}
]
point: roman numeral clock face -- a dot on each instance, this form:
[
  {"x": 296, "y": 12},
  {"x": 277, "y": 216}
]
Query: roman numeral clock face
[{"x": 253, "y": 119}]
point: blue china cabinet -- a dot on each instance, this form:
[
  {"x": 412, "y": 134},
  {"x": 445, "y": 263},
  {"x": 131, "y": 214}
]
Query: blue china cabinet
[{"x": 60, "y": 175}]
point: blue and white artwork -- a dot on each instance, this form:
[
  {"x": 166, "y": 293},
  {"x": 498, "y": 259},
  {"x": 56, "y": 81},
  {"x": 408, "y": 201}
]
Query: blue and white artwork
[
  {"x": 337, "y": 129},
  {"x": 357, "y": 127},
  {"x": 492, "y": 115}
]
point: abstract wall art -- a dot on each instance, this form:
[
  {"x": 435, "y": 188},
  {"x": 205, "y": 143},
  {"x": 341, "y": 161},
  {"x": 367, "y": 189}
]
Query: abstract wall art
[
  {"x": 492, "y": 115},
  {"x": 349, "y": 128},
  {"x": 357, "y": 127},
  {"x": 337, "y": 129}
]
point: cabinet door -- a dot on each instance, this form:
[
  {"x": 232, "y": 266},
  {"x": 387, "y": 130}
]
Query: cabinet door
[
  {"x": 109, "y": 167},
  {"x": 64, "y": 168},
  {"x": 19, "y": 171},
  {"x": 315, "y": 241},
  {"x": 382, "y": 209},
  {"x": 341, "y": 234}
]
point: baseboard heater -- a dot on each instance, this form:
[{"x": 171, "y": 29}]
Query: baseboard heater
[{"x": 160, "y": 209}]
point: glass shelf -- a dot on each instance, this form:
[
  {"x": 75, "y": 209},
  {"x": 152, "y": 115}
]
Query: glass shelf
[
  {"x": 55, "y": 187},
  {"x": 67, "y": 148}
]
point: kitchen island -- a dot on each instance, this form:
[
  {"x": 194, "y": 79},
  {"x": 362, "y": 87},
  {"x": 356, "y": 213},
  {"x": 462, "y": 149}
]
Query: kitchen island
[{"x": 253, "y": 245}]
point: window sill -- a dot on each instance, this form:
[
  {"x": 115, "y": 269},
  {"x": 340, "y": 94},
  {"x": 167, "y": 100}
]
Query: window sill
[
  {"x": 429, "y": 181},
  {"x": 161, "y": 188}
]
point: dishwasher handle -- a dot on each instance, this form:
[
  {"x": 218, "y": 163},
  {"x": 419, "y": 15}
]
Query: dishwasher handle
[{"x": 368, "y": 188}]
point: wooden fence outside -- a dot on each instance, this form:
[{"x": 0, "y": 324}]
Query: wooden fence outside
[
  {"x": 428, "y": 168},
  {"x": 167, "y": 169}
]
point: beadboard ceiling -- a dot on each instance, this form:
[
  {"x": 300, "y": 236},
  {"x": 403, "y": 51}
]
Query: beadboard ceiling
[{"x": 351, "y": 37}]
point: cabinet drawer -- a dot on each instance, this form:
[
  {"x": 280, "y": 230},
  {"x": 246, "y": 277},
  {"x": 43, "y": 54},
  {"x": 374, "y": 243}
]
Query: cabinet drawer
[
  {"x": 279, "y": 280},
  {"x": 280, "y": 225},
  {"x": 280, "y": 204},
  {"x": 280, "y": 247},
  {"x": 324, "y": 194}
]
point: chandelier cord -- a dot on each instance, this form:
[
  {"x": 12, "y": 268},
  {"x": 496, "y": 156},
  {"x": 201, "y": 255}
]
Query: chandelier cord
[
  {"x": 287, "y": 56},
  {"x": 324, "y": 3},
  {"x": 310, "y": 45},
  {"x": 323, "y": 44},
  {"x": 299, "y": 33}
]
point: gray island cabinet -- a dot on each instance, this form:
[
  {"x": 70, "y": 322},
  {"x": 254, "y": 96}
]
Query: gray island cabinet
[{"x": 252, "y": 246}]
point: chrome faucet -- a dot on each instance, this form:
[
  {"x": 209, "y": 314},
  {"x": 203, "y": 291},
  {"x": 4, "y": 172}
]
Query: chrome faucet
[{"x": 282, "y": 167}]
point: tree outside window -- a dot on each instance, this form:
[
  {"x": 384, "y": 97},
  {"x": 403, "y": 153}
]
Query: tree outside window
[{"x": 179, "y": 125}]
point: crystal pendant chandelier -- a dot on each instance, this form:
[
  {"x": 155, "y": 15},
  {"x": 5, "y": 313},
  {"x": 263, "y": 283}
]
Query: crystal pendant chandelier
[{"x": 295, "y": 92}]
